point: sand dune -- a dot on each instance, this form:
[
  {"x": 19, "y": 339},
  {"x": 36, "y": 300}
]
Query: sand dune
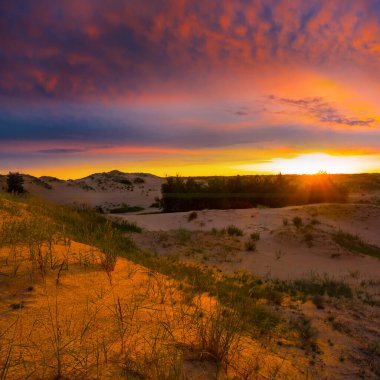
[
  {"x": 59, "y": 292},
  {"x": 106, "y": 190},
  {"x": 282, "y": 251}
]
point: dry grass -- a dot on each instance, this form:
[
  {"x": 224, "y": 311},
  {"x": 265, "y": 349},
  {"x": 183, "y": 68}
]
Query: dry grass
[
  {"x": 71, "y": 307},
  {"x": 82, "y": 312}
]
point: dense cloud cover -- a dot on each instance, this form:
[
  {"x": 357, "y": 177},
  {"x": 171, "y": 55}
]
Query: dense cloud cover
[
  {"x": 90, "y": 48},
  {"x": 180, "y": 76}
]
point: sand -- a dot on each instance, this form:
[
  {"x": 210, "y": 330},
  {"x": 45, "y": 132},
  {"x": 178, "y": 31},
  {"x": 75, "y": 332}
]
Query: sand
[
  {"x": 282, "y": 251},
  {"x": 106, "y": 190}
]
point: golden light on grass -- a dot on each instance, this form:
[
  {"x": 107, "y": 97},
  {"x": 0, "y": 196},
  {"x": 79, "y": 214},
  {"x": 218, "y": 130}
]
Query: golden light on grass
[{"x": 65, "y": 314}]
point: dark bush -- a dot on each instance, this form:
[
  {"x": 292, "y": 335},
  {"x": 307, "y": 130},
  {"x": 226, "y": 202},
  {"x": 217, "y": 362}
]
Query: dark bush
[
  {"x": 15, "y": 183},
  {"x": 138, "y": 180},
  {"x": 193, "y": 215},
  {"x": 297, "y": 221}
]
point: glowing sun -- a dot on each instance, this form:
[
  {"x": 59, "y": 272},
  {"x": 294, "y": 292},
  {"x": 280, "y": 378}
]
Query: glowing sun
[{"x": 312, "y": 163}]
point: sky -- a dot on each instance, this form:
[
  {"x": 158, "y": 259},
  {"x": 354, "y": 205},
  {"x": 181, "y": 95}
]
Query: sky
[{"x": 211, "y": 87}]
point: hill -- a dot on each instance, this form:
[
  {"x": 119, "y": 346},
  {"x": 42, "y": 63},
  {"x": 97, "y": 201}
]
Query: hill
[{"x": 108, "y": 191}]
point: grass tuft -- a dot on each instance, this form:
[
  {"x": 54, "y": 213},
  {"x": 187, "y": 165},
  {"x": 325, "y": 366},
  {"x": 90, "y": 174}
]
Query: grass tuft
[
  {"x": 234, "y": 231},
  {"x": 355, "y": 244},
  {"x": 126, "y": 209},
  {"x": 297, "y": 222}
]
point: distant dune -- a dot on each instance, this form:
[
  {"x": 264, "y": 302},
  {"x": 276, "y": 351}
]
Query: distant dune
[{"x": 109, "y": 191}]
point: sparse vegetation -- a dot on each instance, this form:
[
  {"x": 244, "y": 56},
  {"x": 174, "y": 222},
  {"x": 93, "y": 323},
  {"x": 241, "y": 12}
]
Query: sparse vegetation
[
  {"x": 138, "y": 180},
  {"x": 84, "y": 186},
  {"x": 218, "y": 331},
  {"x": 250, "y": 245},
  {"x": 318, "y": 301},
  {"x": 355, "y": 244},
  {"x": 42, "y": 183},
  {"x": 218, "y": 336},
  {"x": 182, "y": 235},
  {"x": 234, "y": 231},
  {"x": 125, "y": 226},
  {"x": 309, "y": 238},
  {"x": 307, "y": 332},
  {"x": 218, "y": 232},
  {"x": 126, "y": 209},
  {"x": 124, "y": 181},
  {"x": 255, "y": 236},
  {"x": 297, "y": 222},
  {"x": 316, "y": 285},
  {"x": 193, "y": 215},
  {"x": 279, "y": 254},
  {"x": 155, "y": 312}
]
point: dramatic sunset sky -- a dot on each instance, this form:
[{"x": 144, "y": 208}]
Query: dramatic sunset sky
[{"x": 190, "y": 87}]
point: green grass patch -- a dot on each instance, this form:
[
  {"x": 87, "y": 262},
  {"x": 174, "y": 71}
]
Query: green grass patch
[
  {"x": 315, "y": 286},
  {"x": 234, "y": 231},
  {"x": 125, "y": 209},
  {"x": 125, "y": 226},
  {"x": 355, "y": 244}
]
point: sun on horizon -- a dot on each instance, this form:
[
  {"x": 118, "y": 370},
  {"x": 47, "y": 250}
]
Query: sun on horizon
[{"x": 314, "y": 163}]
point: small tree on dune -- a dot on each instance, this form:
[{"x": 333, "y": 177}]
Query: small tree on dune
[{"x": 15, "y": 183}]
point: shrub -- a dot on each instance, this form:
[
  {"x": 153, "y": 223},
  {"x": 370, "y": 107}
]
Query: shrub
[
  {"x": 234, "y": 231},
  {"x": 125, "y": 226},
  {"x": 318, "y": 301},
  {"x": 255, "y": 236},
  {"x": 218, "y": 232},
  {"x": 124, "y": 181},
  {"x": 297, "y": 221},
  {"x": 250, "y": 245},
  {"x": 139, "y": 180},
  {"x": 309, "y": 239},
  {"x": 219, "y": 334},
  {"x": 193, "y": 215},
  {"x": 15, "y": 183},
  {"x": 285, "y": 221},
  {"x": 306, "y": 331}
]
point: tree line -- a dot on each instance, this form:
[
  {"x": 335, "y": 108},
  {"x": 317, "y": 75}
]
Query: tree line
[{"x": 185, "y": 194}]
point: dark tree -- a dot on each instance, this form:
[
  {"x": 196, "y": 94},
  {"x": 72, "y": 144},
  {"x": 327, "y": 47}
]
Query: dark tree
[{"x": 15, "y": 183}]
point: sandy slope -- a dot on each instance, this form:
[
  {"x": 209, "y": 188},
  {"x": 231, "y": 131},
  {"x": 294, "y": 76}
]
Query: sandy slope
[
  {"x": 135, "y": 324},
  {"x": 283, "y": 251}
]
